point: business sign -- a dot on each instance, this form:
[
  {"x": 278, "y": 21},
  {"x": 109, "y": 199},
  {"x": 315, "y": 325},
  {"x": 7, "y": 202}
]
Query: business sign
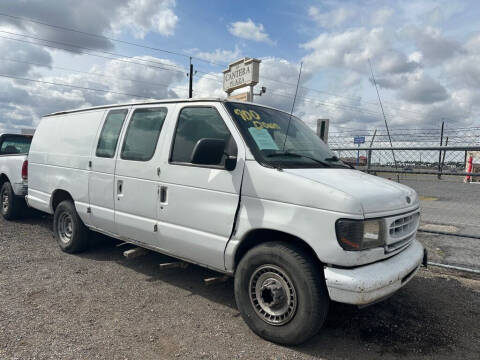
[
  {"x": 241, "y": 97},
  {"x": 243, "y": 72},
  {"x": 359, "y": 140}
]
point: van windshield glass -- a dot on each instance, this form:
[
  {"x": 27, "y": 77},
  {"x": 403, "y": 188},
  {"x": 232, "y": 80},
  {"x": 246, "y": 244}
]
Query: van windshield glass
[{"x": 265, "y": 130}]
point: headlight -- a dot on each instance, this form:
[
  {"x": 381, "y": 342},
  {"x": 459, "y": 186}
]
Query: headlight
[{"x": 356, "y": 235}]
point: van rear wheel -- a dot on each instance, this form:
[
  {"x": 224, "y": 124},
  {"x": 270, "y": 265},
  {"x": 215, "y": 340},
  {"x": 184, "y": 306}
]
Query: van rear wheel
[
  {"x": 68, "y": 228},
  {"x": 281, "y": 293}
]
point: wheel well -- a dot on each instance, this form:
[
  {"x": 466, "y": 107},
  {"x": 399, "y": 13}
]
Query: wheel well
[
  {"x": 260, "y": 236},
  {"x": 59, "y": 196},
  {"x": 3, "y": 179}
]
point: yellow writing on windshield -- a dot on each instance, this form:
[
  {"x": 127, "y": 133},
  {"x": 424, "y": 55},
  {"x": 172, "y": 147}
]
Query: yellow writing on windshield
[{"x": 252, "y": 115}]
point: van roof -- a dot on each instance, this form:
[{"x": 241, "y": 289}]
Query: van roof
[{"x": 166, "y": 101}]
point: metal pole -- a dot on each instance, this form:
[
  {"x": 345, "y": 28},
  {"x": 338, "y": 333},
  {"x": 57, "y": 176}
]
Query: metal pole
[
  {"x": 383, "y": 112},
  {"x": 190, "y": 84},
  {"x": 440, "y": 152},
  {"x": 358, "y": 155},
  {"x": 293, "y": 106},
  {"x": 444, "y": 152},
  {"x": 369, "y": 160}
]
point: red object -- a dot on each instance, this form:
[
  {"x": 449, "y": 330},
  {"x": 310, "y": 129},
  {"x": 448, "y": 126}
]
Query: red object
[
  {"x": 25, "y": 170},
  {"x": 469, "y": 168}
]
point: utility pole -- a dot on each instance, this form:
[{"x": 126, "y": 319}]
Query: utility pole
[{"x": 190, "y": 79}]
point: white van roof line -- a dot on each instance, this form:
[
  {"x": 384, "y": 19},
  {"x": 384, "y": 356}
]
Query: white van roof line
[{"x": 165, "y": 101}]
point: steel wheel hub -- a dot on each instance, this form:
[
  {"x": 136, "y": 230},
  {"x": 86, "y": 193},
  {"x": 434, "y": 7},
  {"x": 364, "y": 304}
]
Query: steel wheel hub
[
  {"x": 65, "y": 228},
  {"x": 273, "y": 295},
  {"x": 5, "y": 201}
]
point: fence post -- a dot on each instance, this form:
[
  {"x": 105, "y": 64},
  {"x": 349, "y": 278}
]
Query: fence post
[
  {"x": 439, "y": 176},
  {"x": 369, "y": 158},
  {"x": 444, "y": 153}
]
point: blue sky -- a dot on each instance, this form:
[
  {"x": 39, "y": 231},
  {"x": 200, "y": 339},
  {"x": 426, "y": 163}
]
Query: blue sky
[{"x": 425, "y": 54}]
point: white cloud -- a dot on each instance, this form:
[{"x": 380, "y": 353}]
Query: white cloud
[
  {"x": 22, "y": 103},
  {"x": 142, "y": 16},
  {"x": 96, "y": 17},
  {"x": 332, "y": 18},
  {"x": 219, "y": 55},
  {"x": 382, "y": 16},
  {"x": 434, "y": 47},
  {"x": 250, "y": 31},
  {"x": 352, "y": 48}
]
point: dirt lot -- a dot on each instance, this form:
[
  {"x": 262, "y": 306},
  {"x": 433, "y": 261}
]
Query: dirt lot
[{"x": 100, "y": 305}]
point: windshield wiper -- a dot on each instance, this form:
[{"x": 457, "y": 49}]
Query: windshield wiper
[
  {"x": 288, "y": 153},
  {"x": 334, "y": 158}
]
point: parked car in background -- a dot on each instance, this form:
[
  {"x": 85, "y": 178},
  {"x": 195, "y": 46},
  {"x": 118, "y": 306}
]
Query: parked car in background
[
  {"x": 13, "y": 174},
  {"x": 243, "y": 189}
]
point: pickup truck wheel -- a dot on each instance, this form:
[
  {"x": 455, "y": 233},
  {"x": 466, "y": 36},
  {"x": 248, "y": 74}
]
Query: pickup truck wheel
[
  {"x": 281, "y": 293},
  {"x": 68, "y": 228},
  {"x": 10, "y": 205}
]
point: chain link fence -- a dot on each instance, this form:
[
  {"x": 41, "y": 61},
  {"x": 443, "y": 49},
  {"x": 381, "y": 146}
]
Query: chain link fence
[{"x": 449, "y": 195}]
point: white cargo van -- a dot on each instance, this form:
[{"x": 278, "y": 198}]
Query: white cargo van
[{"x": 243, "y": 189}]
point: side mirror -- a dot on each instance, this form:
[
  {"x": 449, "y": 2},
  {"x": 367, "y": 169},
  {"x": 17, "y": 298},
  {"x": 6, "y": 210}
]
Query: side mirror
[
  {"x": 230, "y": 163},
  {"x": 208, "y": 152}
]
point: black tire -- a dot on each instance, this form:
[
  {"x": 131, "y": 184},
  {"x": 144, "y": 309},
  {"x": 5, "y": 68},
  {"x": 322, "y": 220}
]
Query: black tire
[
  {"x": 11, "y": 206},
  {"x": 297, "y": 268},
  {"x": 69, "y": 230}
]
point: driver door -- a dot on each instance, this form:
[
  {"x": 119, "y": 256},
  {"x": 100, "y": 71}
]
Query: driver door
[{"x": 198, "y": 202}]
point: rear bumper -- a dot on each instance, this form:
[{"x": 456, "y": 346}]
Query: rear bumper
[
  {"x": 20, "y": 189},
  {"x": 370, "y": 283}
]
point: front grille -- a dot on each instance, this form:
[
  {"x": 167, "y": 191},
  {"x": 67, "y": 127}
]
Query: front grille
[
  {"x": 401, "y": 231},
  {"x": 403, "y": 226}
]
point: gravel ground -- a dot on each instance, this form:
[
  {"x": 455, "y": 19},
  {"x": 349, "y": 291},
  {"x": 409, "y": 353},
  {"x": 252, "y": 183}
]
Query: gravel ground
[{"x": 98, "y": 305}]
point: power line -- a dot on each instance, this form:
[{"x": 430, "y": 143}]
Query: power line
[
  {"x": 85, "y": 72},
  {"x": 90, "y": 34},
  {"x": 74, "y": 86},
  {"x": 347, "y": 107},
  {"x": 329, "y": 93},
  {"x": 91, "y": 49},
  {"x": 90, "y": 54},
  {"x": 172, "y": 53},
  {"x": 110, "y": 38}
]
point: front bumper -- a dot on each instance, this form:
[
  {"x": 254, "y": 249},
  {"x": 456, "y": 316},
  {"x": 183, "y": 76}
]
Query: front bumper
[{"x": 370, "y": 283}]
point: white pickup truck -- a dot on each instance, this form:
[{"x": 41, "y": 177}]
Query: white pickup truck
[{"x": 13, "y": 174}]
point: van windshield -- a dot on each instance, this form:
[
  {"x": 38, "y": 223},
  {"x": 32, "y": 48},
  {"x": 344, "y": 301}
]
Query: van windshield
[{"x": 265, "y": 130}]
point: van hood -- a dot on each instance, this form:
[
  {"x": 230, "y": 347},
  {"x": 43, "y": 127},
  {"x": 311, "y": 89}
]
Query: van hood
[{"x": 375, "y": 194}]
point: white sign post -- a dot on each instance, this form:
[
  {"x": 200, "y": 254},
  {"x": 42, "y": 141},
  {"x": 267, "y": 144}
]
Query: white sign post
[{"x": 241, "y": 73}]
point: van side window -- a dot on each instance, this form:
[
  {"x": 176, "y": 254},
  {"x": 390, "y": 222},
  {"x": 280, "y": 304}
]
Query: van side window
[
  {"x": 107, "y": 143},
  {"x": 195, "y": 123},
  {"x": 142, "y": 134}
]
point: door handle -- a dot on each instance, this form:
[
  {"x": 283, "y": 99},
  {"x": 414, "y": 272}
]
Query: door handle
[
  {"x": 163, "y": 194},
  {"x": 119, "y": 188}
]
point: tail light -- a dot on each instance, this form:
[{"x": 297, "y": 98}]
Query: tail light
[{"x": 25, "y": 170}]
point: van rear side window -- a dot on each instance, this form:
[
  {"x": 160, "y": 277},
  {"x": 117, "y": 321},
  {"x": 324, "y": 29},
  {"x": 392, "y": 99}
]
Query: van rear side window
[
  {"x": 142, "y": 134},
  {"x": 107, "y": 143}
]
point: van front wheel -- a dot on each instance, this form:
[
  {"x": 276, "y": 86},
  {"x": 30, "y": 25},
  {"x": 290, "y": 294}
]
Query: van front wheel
[
  {"x": 281, "y": 293},
  {"x": 68, "y": 228}
]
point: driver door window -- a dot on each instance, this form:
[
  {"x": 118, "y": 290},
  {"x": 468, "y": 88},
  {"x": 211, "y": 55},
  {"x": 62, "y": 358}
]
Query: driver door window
[{"x": 194, "y": 124}]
